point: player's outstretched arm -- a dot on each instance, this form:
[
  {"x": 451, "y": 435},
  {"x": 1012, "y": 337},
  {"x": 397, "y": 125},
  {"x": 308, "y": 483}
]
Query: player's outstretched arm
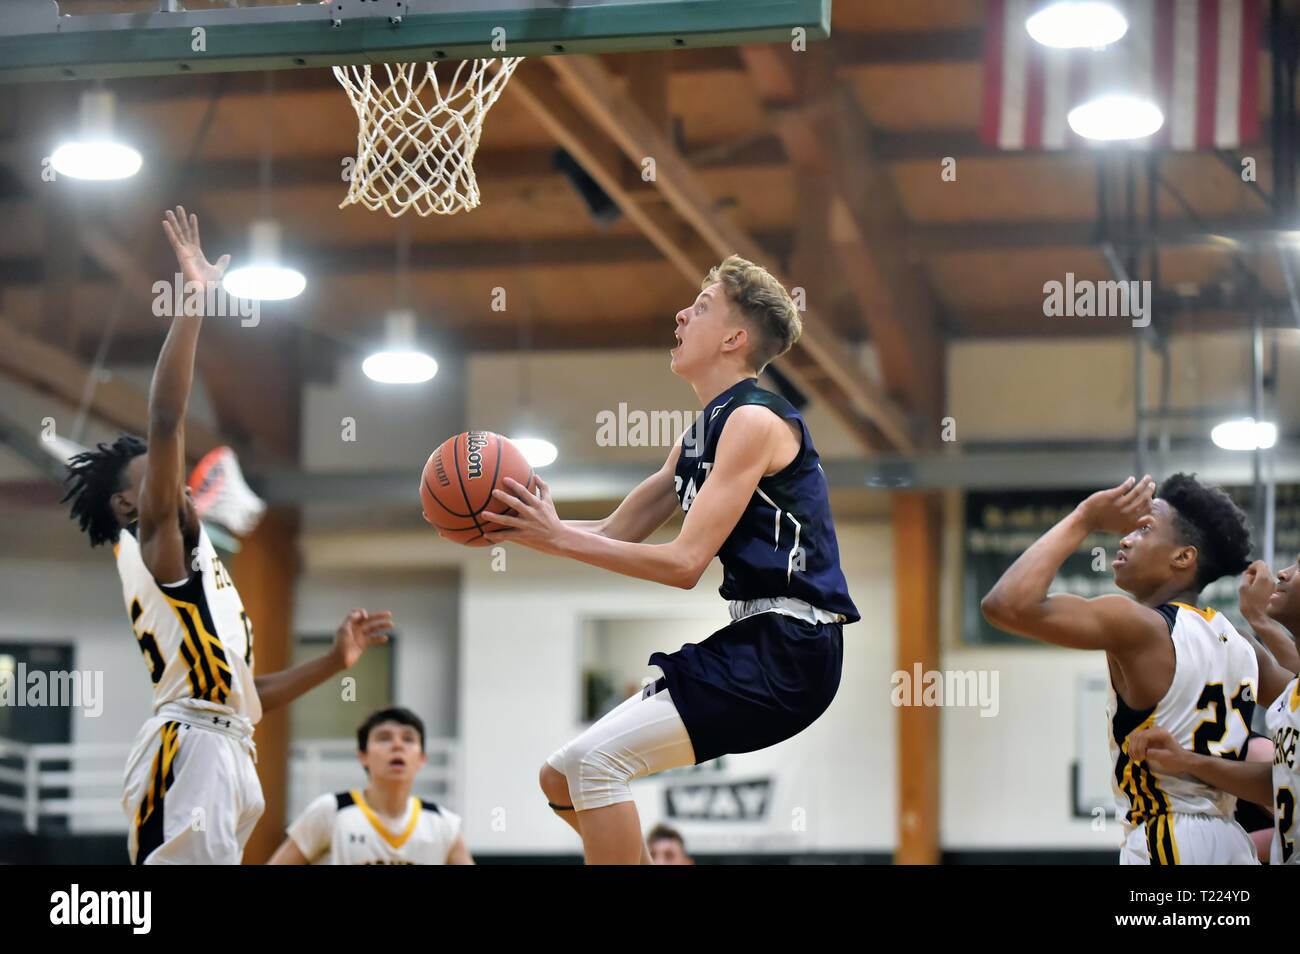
[
  {"x": 162, "y": 504},
  {"x": 459, "y": 854},
  {"x": 643, "y": 511},
  {"x": 1252, "y": 781},
  {"x": 1019, "y": 602},
  {"x": 1274, "y": 646},
  {"x": 748, "y": 444},
  {"x": 357, "y": 633}
]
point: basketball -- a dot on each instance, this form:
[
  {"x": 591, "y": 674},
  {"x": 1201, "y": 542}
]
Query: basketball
[{"x": 458, "y": 479}]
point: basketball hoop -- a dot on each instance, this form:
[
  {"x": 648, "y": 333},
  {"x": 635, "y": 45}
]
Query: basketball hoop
[{"x": 419, "y": 132}]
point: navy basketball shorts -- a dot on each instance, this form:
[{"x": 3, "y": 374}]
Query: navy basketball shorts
[{"x": 759, "y": 681}]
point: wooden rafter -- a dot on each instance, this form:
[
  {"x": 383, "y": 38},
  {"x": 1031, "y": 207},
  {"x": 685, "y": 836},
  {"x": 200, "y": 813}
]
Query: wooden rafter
[
  {"x": 52, "y": 370},
  {"x": 827, "y": 138},
  {"x": 593, "y": 97},
  {"x": 916, "y": 242}
]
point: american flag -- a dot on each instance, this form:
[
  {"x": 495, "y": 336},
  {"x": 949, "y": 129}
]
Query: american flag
[{"x": 1199, "y": 59}]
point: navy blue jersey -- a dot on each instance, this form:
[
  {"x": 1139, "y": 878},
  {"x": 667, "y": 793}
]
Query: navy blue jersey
[{"x": 784, "y": 543}]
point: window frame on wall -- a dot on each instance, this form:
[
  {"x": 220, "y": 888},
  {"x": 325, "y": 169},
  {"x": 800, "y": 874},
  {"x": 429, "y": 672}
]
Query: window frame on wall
[
  {"x": 671, "y": 642},
  {"x": 304, "y": 644}
]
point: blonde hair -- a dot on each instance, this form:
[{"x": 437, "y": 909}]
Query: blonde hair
[{"x": 763, "y": 303}]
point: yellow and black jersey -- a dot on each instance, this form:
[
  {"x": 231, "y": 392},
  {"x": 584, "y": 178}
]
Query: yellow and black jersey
[
  {"x": 342, "y": 829},
  {"x": 195, "y": 637},
  {"x": 1284, "y": 728},
  {"x": 1207, "y": 708}
]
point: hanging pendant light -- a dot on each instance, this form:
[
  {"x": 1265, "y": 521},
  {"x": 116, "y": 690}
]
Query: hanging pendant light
[
  {"x": 400, "y": 361},
  {"x": 1116, "y": 117},
  {"x": 537, "y": 450},
  {"x": 1244, "y": 434},
  {"x": 265, "y": 278},
  {"x": 1123, "y": 105},
  {"x": 1072, "y": 24},
  {"x": 96, "y": 154}
]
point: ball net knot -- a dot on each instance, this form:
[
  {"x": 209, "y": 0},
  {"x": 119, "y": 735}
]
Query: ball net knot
[{"x": 419, "y": 132}]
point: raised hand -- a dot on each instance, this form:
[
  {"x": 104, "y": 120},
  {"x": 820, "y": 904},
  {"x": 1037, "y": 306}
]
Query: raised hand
[
  {"x": 1257, "y": 585},
  {"x": 1121, "y": 509},
  {"x": 358, "y": 632},
  {"x": 183, "y": 232}
]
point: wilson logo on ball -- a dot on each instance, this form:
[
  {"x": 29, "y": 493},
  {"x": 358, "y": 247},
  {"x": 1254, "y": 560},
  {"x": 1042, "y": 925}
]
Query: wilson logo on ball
[
  {"x": 474, "y": 445},
  {"x": 453, "y": 501}
]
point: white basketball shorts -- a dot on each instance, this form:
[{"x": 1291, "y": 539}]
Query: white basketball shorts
[
  {"x": 192, "y": 795},
  {"x": 1178, "y": 839}
]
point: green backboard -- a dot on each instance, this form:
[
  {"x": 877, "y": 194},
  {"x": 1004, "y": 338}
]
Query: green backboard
[{"x": 38, "y": 42}]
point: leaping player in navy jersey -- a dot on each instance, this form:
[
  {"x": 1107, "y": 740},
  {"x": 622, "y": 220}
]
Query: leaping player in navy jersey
[{"x": 748, "y": 479}]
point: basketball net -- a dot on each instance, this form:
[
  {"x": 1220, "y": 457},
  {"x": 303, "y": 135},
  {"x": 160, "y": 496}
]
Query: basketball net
[
  {"x": 419, "y": 132},
  {"x": 221, "y": 495}
]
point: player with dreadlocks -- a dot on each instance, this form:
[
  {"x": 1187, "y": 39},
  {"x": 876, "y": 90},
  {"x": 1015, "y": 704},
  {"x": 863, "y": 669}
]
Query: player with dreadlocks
[
  {"x": 1171, "y": 663},
  {"x": 192, "y": 794}
]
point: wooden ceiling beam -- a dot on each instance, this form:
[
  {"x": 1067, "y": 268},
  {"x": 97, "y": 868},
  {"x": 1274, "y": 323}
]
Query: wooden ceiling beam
[
  {"x": 244, "y": 373},
  {"x": 582, "y": 139},
  {"x": 330, "y": 330},
  {"x": 829, "y": 140},
  {"x": 490, "y": 166},
  {"x": 51, "y": 370},
  {"x": 325, "y": 350},
  {"x": 539, "y": 251},
  {"x": 589, "y": 86},
  {"x": 1229, "y": 234},
  {"x": 248, "y": 387},
  {"x": 919, "y": 242}
]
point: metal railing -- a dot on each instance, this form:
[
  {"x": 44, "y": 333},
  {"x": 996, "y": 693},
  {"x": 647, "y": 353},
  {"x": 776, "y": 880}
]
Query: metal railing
[
  {"x": 330, "y": 765},
  {"x": 82, "y": 782}
]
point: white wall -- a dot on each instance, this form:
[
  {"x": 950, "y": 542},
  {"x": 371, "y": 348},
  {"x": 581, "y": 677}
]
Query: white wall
[
  {"x": 1006, "y": 779},
  {"x": 395, "y": 427},
  {"x": 426, "y": 617},
  {"x": 80, "y": 602},
  {"x": 1082, "y": 388}
]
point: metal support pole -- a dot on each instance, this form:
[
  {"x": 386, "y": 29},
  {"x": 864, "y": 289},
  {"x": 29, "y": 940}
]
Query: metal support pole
[
  {"x": 1259, "y": 508},
  {"x": 1140, "y": 398},
  {"x": 1153, "y": 272}
]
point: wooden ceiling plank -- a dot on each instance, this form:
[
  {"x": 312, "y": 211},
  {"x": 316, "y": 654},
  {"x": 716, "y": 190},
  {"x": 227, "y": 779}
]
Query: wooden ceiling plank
[
  {"x": 52, "y": 370},
  {"x": 828, "y": 138},
  {"x": 582, "y": 140},
  {"x": 592, "y": 89}
]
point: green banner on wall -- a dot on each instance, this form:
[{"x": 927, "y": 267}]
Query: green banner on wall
[{"x": 1001, "y": 525}]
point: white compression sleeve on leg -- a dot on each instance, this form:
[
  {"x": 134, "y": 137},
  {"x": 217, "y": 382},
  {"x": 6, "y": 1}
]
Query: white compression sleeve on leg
[{"x": 640, "y": 737}]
